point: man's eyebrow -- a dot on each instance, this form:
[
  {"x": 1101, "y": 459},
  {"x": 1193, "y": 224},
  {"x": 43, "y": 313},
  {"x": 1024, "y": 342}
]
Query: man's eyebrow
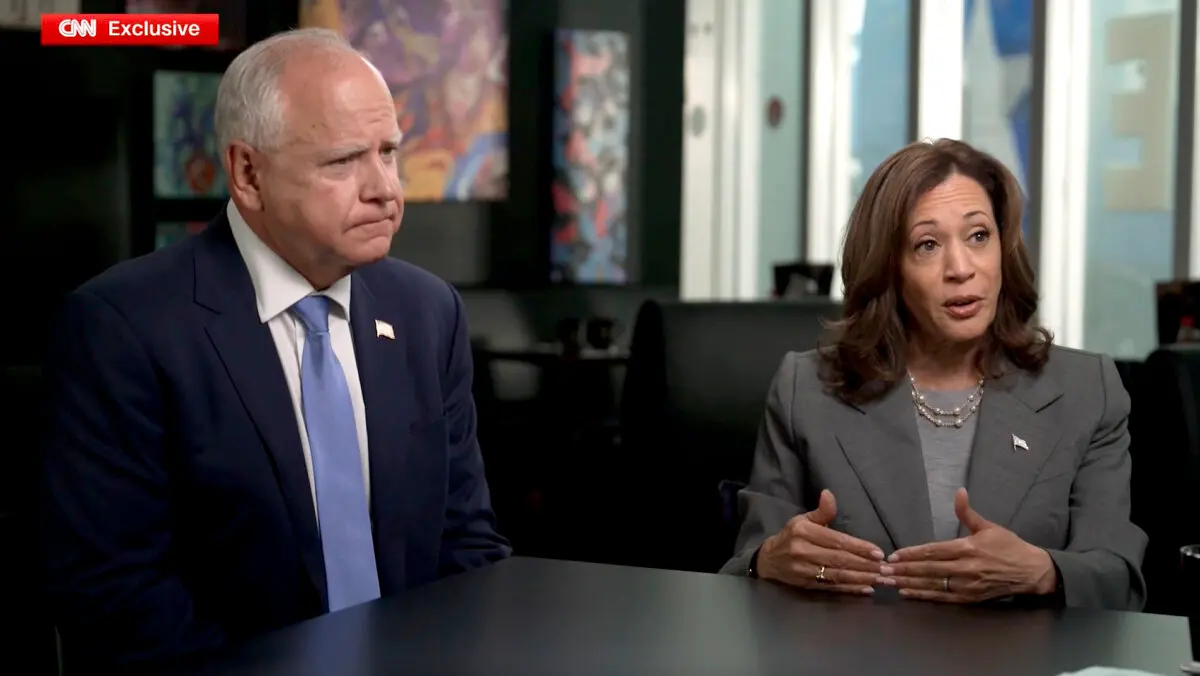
[
  {"x": 354, "y": 147},
  {"x": 345, "y": 151},
  {"x": 360, "y": 148}
]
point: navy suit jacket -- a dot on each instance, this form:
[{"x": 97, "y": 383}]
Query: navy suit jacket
[{"x": 178, "y": 513}]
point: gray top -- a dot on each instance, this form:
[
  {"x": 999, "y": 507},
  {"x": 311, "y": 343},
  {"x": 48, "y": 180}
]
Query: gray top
[{"x": 947, "y": 452}]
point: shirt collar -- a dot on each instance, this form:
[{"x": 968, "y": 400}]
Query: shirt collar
[{"x": 277, "y": 285}]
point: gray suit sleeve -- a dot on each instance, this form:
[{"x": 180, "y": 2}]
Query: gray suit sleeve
[
  {"x": 1101, "y": 566},
  {"x": 776, "y": 488}
]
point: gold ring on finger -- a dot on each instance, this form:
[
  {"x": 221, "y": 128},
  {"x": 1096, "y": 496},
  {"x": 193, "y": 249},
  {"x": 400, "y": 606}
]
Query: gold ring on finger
[
  {"x": 946, "y": 584},
  {"x": 821, "y": 576}
]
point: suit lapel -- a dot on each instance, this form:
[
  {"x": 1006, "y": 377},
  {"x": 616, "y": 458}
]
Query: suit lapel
[
  {"x": 1002, "y": 467},
  {"x": 246, "y": 348},
  {"x": 881, "y": 442},
  {"x": 382, "y": 363}
]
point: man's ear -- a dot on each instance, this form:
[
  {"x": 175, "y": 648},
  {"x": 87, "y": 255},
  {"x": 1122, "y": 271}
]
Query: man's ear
[{"x": 244, "y": 166}]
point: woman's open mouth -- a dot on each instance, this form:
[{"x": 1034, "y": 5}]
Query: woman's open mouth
[{"x": 964, "y": 307}]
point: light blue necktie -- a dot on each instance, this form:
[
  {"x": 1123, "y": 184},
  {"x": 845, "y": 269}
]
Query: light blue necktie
[{"x": 342, "y": 510}]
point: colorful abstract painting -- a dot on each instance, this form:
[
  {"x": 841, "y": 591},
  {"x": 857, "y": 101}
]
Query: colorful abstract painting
[
  {"x": 232, "y": 15},
  {"x": 446, "y": 63},
  {"x": 187, "y": 161},
  {"x": 591, "y": 157},
  {"x": 166, "y": 234}
]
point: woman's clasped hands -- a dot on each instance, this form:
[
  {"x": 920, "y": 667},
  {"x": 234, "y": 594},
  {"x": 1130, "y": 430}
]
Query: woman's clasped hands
[{"x": 990, "y": 562}]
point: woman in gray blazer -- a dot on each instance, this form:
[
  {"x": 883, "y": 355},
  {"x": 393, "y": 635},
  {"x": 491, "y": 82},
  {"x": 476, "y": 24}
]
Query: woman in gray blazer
[{"x": 939, "y": 443}]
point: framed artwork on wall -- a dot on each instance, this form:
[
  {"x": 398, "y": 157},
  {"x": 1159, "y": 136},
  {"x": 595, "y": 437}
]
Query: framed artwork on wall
[
  {"x": 232, "y": 15},
  {"x": 186, "y": 158},
  {"x": 446, "y": 63},
  {"x": 588, "y": 242}
]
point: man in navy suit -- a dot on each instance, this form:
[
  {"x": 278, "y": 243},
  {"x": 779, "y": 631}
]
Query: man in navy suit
[{"x": 271, "y": 420}]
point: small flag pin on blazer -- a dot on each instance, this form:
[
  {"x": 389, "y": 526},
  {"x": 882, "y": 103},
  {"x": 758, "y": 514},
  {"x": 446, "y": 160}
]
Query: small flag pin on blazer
[
  {"x": 1019, "y": 443},
  {"x": 384, "y": 330}
]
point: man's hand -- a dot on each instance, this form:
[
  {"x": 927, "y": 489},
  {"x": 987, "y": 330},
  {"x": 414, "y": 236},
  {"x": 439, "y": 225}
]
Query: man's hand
[
  {"x": 809, "y": 554},
  {"x": 991, "y": 562}
]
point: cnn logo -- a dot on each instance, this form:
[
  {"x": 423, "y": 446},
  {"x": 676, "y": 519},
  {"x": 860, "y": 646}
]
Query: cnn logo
[{"x": 77, "y": 28}]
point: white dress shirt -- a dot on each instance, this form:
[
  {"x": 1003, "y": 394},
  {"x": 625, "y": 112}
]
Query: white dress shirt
[{"x": 277, "y": 287}]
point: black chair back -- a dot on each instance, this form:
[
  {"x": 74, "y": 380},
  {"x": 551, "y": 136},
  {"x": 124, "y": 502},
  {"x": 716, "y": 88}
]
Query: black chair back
[
  {"x": 1165, "y": 432},
  {"x": 694, "y": 398}
]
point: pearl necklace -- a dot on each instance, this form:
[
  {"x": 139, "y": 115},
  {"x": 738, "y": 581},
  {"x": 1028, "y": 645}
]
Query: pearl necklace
[{"x": 954, "y": 417}]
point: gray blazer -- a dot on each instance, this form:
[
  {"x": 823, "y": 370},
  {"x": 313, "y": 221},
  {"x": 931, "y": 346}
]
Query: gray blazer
[{"x": 1068, "y": 493}]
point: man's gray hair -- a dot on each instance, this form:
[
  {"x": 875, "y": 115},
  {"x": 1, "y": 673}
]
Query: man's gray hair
[{"x": 249, "y": 105}]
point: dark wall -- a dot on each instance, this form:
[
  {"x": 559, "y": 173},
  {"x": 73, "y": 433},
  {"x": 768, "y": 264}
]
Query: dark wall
[
  {"x": 660, "y": 225},
  {"x": 65, "y": 193}
]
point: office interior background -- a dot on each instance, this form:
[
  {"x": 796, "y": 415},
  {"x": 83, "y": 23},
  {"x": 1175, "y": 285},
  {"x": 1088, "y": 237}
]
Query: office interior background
[
  {"x": 751, "y": 126},
  {"x": 615, "y": 335}
]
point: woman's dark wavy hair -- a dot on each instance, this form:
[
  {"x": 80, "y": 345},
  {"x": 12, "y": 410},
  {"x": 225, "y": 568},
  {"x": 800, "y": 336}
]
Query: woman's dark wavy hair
[{"x": 864, "y": 353}]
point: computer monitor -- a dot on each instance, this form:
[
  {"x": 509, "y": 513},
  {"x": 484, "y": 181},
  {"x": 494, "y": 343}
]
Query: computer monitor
[
  {"x": 803, "y": 280},
  {"x": 1176, "y": 300}
]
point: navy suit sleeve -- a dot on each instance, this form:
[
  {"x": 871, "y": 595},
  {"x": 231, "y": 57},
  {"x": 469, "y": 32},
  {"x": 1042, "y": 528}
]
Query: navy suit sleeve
[
  {"x": 469, "y": 537},
  {"x": 107, "y": 517}
]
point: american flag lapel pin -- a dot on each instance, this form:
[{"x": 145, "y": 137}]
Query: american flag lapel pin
[
  {"x": 384, "y": 330},
  {"x": 1019, "y": 444}
]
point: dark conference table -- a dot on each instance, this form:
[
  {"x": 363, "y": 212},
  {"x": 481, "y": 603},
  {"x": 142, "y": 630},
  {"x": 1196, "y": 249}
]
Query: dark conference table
[{"x": 558, "y": 618}]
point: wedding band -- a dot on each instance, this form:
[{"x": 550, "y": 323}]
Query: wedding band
[
  {"x": 946, "y": 584},
  {"x": 821, "y": 575}
]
